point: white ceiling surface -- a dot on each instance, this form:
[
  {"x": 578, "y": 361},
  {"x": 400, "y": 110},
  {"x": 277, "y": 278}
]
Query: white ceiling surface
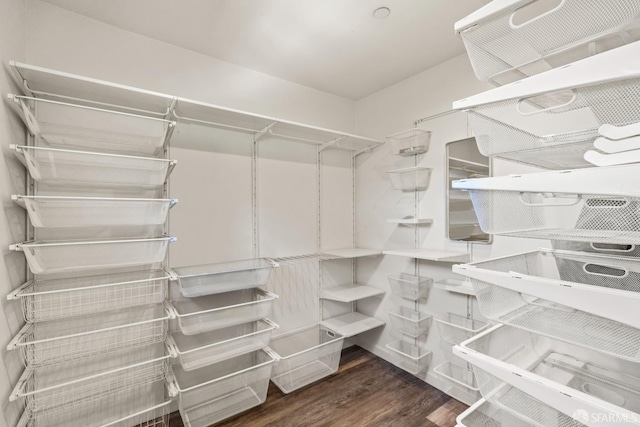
[{"x": 336, "y": 46}]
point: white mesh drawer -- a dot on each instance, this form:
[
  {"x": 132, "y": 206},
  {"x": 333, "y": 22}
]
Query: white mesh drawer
[
  {"x": 558, "y": 206},
  {"x": 203, "y": 314},
  {"x": 410, "y": 179},
  {"x": 565, "y": 377},
  {"x": 196, "y": 351},
  {"x": 543, "y": 291},
  {"x": 457, "y": 377},
  {"x": 410, "y": 142},
  {"x": 409, "y": 322},
  {"x": 208, "y": 279},
  {"x": 219, "y": 391},
  {"x": 409, "y": 286},
  {"x": 412, "y": 358},
  {"x": 510, "y": 39},
  {"x": 553, "y": 119},
  {"x": 454, "y": 328},
  {"x": 305, "y": 356}
]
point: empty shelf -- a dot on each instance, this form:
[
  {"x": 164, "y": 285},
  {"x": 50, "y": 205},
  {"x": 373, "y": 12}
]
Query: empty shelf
[
  {"x": 78, "y": 126},
  {"x": 350, "y": 293},
  {"x": 85, "y": 168},
  {"x": 456, "y": 286},
  {"x": 56, "y": 211},
  {"x": 430, "y": 255},
  {"x": 351, "y": 324},
  {"x": 351, "y": 252},
  {"x": 410, "y": 221}
]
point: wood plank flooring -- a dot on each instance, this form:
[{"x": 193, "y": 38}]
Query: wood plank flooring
[{"x": 366, "y": 391}]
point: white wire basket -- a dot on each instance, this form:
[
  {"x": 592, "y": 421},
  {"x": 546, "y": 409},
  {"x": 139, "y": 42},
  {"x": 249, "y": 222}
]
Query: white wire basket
[
  {"x": 409, "y": 322},
  {"x": 457, "y": 377},
  {"x": 409, "y": 286},
  {"x": 581, "y": 298},
  {"x": 59, "y": 211},
  {"x": 91, "y": 169},
  {"x": 410, "y": 142},
  {"x": 410, "y": 357},
  {"x": 555, "y": 120},
  {"x": 146, "y": 406},
  {"x": 77, "y": 126},
  {"x": 410, "y": 179},
  {"x": 219, "y": 391},
  {"x": 45, "y": 300},
  {"x": 563, "y": 376},
  {"x": 510, "y": 39},
  {"x": 305, "y": 356},
  {"x": 576, "y": 205},
  {"x": 81, "y": 255},
  {"x": 455, "y": 329},
  {"x": 203, "y": 314},
  {"x": 197, "y": 351},
  {"x": 64, "y": 340},
  {"x": 86, "y": 380},
  {"x": 208, "y": 279}
]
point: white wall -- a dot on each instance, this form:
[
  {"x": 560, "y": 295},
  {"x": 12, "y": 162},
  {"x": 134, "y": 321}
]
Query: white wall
[
  {"x": 70, "y": 42},
  {"x": 387, "y": 112},
  {"x": 12, "y": 218}
]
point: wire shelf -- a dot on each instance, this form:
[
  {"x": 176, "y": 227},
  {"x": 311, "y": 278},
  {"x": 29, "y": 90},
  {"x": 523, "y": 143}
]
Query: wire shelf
[
  {"x": 45, "y": 300},
  {"x": 506, "y": 42},
  {"x": 64, "y": 340},
  {"x": 561, "y": 375},
  {"x": 90, "y": 379}
]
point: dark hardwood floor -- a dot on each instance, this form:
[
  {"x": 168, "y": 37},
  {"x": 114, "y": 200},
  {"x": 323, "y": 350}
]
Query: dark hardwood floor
[{"x": 366, "y": 391}]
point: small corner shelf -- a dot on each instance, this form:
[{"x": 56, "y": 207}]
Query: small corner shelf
[
  {"x": 351, "y": 324},
  {"x": 351, "y": 252},
  {"x": 350, "y": 293},
  {"x": 410, "y": 221},
  {"x": 457, "y": 286},
  {"x": 430, "y": 255}
]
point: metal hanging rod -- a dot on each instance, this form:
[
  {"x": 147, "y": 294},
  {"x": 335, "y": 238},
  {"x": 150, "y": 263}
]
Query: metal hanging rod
[{"x": 434, "y": 116}]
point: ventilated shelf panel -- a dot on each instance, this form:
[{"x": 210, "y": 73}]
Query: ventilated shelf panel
[
  {"x": 203, "y": 314},
  {"x": 208, "y": 279},
  {"x": 351, "y": 324},
  {"x": 90, "y": 379},
  {"x": 80, "y": 255},
  {"x": 553, "y": 120},
  {"x": 410, "y": 142},
  {"x": 74, "y": 126},
  {"x": 410, "y": 179},
  {"x": 213, "y": 393},
  {"x": 507, "y": 40},
  {"x": 197, "y": 351},
  {"x": 565, "y": 377},
  {"x": 455, "y": 329},
  {"x": 350, "y": 293},
  {"x": 306, "y": 356},
  {"x": 59, "y": 341},
  {"x": 58, "y": 211},
  {"x": 412, "y": 358},
  {"x": 576, "y": 205},
  {"x": 45, "y": 300},
  {"x": 91, "y": 169}
]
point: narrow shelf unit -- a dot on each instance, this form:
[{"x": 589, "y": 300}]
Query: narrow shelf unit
[
  {"x": 351, "y": 252},
  {"x": 350, "y": 293},
  {"x": 430, "y": 255},
  {"x": 351, "y": 324}
]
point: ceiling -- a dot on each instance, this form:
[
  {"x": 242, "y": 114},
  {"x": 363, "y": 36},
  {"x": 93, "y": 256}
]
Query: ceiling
[{"x": 335, "y": 46}]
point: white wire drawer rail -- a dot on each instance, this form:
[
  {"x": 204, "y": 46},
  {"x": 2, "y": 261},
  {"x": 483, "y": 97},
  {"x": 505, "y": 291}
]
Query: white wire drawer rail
[
  {"x": 196, "y": 351},
  {"x": 81, "y": 255},
  {"x": 92, "y": 169},
  {"x": 219, "y": 391},
  {"x": 208, "y": 279},
  {"x": 305, "y": 356},
  {"x": 58, "y": 341},
  {"x": 45, "y": 300},
  {"x": 576, "y": 205},
  {"x": 510, "y": 39},
  {"x": 203, "y": 314},
  {"x": 580, "y": 115},
  {"x": 146, "y": 406},
  {"x": 606, "y": 286},
  {"x": 60, "y": 211},
  {"x": 78, "y": 126},
  {"x": 563, "y": 376},
  {"x": 89, "y": 379}
]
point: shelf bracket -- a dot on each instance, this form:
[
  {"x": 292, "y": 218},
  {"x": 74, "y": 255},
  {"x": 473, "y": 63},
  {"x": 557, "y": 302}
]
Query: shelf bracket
[{"x": 260, "y": 133}]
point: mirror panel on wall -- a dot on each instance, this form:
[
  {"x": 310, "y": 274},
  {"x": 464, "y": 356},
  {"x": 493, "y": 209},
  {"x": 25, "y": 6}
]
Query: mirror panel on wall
[{"x": 463, "y": 160}]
